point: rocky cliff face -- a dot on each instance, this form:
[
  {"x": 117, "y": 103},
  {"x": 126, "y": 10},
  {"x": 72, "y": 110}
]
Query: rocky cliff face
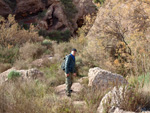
[
  {"x": 118, "y": 21},
  {"x": 60, "y": 16},
  {"x": 28, "y": 6},
  {"x": 48, "y": 14},
  {"x": 4, "y": 8}
]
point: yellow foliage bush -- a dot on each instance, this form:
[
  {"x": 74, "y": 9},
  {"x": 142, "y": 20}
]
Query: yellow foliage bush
[{"x": 12, "y": 34}]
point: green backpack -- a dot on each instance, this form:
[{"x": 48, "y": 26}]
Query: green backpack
[{"x": 63, "y": 63}]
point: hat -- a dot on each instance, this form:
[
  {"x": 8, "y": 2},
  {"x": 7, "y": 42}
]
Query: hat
[{"x": 74, "y": 50}]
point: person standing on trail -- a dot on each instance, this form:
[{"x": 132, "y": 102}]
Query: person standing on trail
[{"x": 70, "y": 71}]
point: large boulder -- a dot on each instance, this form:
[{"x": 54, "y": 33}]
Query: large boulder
[
  {"x": 116, "y": 101},
  {"x": 103, "y": 79},
  {"x": 112, "y": 100},
  {"x": 4, "y": 8},
  {"x": 25, "y": 74}
]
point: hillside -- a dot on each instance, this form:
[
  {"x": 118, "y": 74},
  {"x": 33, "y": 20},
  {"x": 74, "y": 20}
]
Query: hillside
[
  {"x": 112, "y": 61},
  {"x": 49, "y": 15}
]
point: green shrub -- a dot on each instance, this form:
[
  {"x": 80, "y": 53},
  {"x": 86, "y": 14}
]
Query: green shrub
[
  {"x": 144, "y": 79},
  {"x": 47, "y": 43},
  {"x": 69, "y": 8},
  {"x": 139, "y": 80},
  {"x": 9, "y": 55},
  {"x": 13, "y": 75},
  {"x": 42, "y": 14},
  {"x": 56, "y": 35},
  {"x": 25, "y": 26}
]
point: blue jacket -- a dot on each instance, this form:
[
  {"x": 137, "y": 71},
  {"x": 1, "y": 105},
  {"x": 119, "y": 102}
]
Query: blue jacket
[{"x": 70, "y": 64}]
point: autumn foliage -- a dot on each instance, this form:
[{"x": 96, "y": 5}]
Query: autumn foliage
[
  {"x": 119, "y": 38},
  {"x": 12, "y": 34}
]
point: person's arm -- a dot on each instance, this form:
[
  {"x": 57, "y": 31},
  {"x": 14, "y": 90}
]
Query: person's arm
[
  {"x": 67, "y": 63},
  {"x": 74, "y": 71}
]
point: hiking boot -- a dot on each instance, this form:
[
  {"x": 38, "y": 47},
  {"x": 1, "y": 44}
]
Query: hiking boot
[{"x": 68, "y": 94}]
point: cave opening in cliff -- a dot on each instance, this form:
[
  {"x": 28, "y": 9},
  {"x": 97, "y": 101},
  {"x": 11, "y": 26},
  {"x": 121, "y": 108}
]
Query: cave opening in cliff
[
  {"x": 48, "y": 21},
  {"x": 55, "y": 20},
  {"x": 80, "y": 23}
]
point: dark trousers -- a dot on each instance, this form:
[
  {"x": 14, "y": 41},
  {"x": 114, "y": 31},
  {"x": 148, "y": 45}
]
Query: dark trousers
[{"x": 69, "y": 81}]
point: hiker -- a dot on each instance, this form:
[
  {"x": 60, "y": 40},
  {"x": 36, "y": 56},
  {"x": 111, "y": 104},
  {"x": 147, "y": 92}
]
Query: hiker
[{"x": 70, "y": 71}]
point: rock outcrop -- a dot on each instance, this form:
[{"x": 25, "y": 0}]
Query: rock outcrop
[
  {"x": 104, "y": 79},
  {"x": 84, "y": 7},
  {"x": 57, "y": 19},
  {"x": 117, "y": 110},
  {"x": 116, "y": 20},
  {"x": 116, "y": 100},
  {"x": 112, "y": 100},
  {"x": 25, "y": 74},
  {"x": 28, "y": 6},
  {"x": 54, "y": 14}
]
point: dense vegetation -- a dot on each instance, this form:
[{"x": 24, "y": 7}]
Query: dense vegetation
[
  {"x": 114, "y": 49},
  {"x": 69, "y": 8}
]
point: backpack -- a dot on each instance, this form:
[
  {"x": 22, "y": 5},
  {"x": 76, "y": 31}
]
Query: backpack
[{"x": 63, "y": 63}]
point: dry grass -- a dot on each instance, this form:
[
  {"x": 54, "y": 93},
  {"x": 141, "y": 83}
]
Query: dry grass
[
  {"x": 92, "y": 97},
  {"x": 31, "y": 51},
  {"x": 27, "y": 53},
  {"x": 137, "y": 95},
  {"x": 22, "y": 97},
  {"x": 4, "y": 67},
  {"x": 33, "y": 97}
]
